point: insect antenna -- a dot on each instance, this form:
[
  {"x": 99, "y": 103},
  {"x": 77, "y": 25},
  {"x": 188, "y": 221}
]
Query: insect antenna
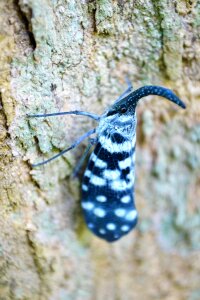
[
  {"x": 74, "y": 112},
  {"x": 74, "y": 145}
]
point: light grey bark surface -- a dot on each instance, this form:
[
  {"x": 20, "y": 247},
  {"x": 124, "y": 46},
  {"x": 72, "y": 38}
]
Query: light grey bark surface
[{"x": 58, "y": 55}]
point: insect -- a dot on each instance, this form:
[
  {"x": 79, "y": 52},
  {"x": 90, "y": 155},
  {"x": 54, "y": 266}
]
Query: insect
[{"x": 108, "y": 181}]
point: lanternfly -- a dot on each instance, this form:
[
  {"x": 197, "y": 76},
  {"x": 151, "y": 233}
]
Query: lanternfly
[{"x": 108, "y": 182}]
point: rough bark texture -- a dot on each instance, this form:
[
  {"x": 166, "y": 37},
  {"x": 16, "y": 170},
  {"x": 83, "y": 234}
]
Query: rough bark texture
[{"x": 66, "y": 54}]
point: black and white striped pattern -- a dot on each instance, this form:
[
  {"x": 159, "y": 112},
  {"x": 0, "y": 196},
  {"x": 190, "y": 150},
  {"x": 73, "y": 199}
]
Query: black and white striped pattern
[{"x": 107, "y": 188}]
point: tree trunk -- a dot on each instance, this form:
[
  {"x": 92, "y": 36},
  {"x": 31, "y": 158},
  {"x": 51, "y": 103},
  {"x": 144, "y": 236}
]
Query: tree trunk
[{"x": 67, "y": 55}]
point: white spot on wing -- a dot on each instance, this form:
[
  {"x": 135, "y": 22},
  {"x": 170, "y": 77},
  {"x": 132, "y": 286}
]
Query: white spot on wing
[
  {"x": 98, "y": 162},
  {"x": 111, "y": 174},
  {"x": 102, "y": 231},
  {"x": 87, "y": 173},
  {"x": 87, "y": 205},
  {"x": 111, "y": 226},
  {"x": 125, "y": 199},
  {"x": 125, "y": 228},
  {"x": 90, "y": 225},
  {"x": 96, "y": 180},
  {"x": 84, "y": 187},
  {"x": 121, "y": 185},
  {"x": 131, "y": 215},
  {"x": 120, "y": 212},
  {"x": 99, "y": 212},
  {"x": 123, "y": 164},
  {"x": 101, "y": 198}
]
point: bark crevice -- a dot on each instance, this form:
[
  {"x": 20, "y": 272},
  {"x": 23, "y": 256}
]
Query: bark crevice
[{"x": 25, "y": 16}]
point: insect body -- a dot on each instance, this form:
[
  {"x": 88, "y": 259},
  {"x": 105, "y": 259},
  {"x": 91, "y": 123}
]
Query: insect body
[{"x": 108, "y": 181}]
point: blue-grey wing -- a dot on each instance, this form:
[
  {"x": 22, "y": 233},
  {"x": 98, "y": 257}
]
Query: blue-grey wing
[{"x": 108, "y": 186}]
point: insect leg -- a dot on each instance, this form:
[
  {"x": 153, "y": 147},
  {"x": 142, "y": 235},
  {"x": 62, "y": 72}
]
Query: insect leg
[
  {"x": 74, "y": 112},
  {"x": 92, "y": 142},
  {"x": 74, "y": 145},
  {"x": 81, "y": 161}
]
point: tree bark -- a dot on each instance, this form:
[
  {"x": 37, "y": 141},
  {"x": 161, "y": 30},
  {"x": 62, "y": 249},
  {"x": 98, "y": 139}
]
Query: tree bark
[{"x": 67, "y": 55}]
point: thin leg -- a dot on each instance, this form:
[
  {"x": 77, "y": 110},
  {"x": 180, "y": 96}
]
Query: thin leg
[
  {"x": 83, "y": 157},
  {"x": 75, "y": 112},
  {"x": 75, "y": 144},
  {"x": 81, "y": 161}
]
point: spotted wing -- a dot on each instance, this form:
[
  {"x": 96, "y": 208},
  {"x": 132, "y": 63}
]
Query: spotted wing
[{"x": 107, "y": 189}]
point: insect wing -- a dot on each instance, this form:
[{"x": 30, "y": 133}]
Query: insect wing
[{"x": 107, "y": 189}]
